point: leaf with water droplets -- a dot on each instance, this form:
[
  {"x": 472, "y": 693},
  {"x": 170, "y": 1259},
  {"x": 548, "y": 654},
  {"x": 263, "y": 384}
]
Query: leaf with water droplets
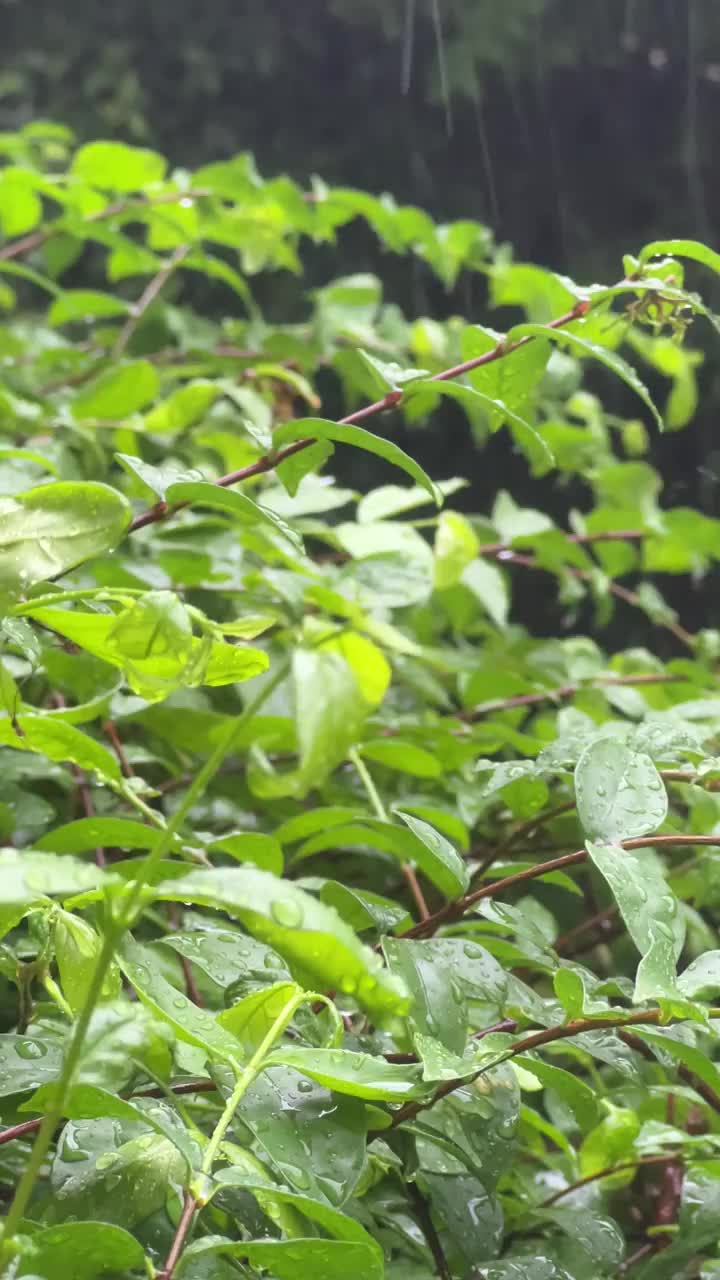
[
  {"x": 619, "y": 793},
  {"x": 82, "y": 1250},
  {"x": 54, "y": 527},
  {"x": 651, "y": 915},
  {"x": 315, "y": 1140},
  {"x": 193, "y": 1025},
  {"x": 360, "y": 1074},
  {"x": 27, "y": 1062},
  {"x": 294, "y": 1259},
  {"x": 26, "y": 876},
  {"x": 319, "y": 948}
]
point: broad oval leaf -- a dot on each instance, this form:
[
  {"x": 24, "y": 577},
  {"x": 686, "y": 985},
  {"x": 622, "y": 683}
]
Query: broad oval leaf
[
  {"x": 55, "y": 527},
  {"x": 619, "y": 793}
]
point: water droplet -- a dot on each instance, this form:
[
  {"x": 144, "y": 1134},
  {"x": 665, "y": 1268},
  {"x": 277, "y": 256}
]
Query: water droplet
[
  {"x": 286, "y": 912},
  {"x": 179, "y": 1003},
  {"x": 304, "y": 1086},
  {"x": 30, "y": 1049},
  {"x": 106, "y": 1160},
  {"x": 272, "y": 961},
  {"x": 301, "y": 1179},
  {"x": 470, "y": 951}
]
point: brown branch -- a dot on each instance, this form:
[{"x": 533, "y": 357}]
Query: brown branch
[
  {"x": 88, "y": 808},
  {"x": 147, "y": 297},
  {"x": 536, "y": 1040},
  {"x": 427, "y": 1226},
  {"x": 417, "y": 894},
  {"x": 579, "y": 539},
  {"x": 456, "y": 910},
  {"x": 607, "y": 1173},
  {"x": 569, "y": 691},
  {"x": 615, "y": 589},
  {"x": 190, "y": 1086},
  {"x": 162, "y": 510},
  {"x": 117, "y": 746},
  {"x": 181, "y": 1233},
  {"x": 35, "y": 239}
]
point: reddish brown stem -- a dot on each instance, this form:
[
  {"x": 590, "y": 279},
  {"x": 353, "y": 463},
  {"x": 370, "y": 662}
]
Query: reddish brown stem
[
  {"x": 569, "y": 691},
  {"x": 191, "y": 1086},
  {"x": 536, "y": 1040},
  {"x": 607, "y": 1173},
  {"x": 146, "y": 299},
  {"x": 117, "y": 746},
  {"x": 615, "y": 589},
  {"x": 181, "y": 1233},
  {"x": 417, "y": 893},
  {"x": 456, "y": 910},
  {"x": 162, "y": 509}
]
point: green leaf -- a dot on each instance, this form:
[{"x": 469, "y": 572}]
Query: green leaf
[
  {"x": 650, "y": 912},
  {"x": 26, "y": 876},
  {"x": 398, "y": 753},
  {"x": 360, "y": 1074},
  {"x": 28, "y": 1062},
  {"x": 238, "y": 504},
  {"x": 123, "y": 1178},
  {"x": 190, "y": 1024},
  {"x": 115, "y": 166},
  {"x": 692, "y": 249},
  {"x": 118, "y": 392},
  {"x": 293, "y": 1259},
  {"x": 153, "y": 644},
  {"x": 444, "y": 866},
  {"x": 60, "y": 741},
  {"x": 309, "y": 935},
  {"x": 694, "y": 1059},
  {"x": 701, "y": 979},
  {"x": 82, "y": 306},
  {"x": 252, "y": 1018},
  {"x": 87, "y": 833},
  {"x": 81, "y": 1251},
  {"x": 341, "y": 433},
  {"x": 619, "y": 793},
  {"x": 77, "y": 950},
  {"x": 584, "y": 347},
  {"x": 286, "y": 1114},
  {"x": 50, "y": 529},
  {"x": 456, "y": 546}
]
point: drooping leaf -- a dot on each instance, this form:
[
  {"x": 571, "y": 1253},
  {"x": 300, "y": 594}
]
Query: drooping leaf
[
  {"x": 340, "y": 433},
  {"x": 310, "y": 936}
]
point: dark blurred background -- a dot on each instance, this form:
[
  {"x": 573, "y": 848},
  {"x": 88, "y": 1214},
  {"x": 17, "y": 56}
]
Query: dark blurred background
[{"x": 577, "y": 129}]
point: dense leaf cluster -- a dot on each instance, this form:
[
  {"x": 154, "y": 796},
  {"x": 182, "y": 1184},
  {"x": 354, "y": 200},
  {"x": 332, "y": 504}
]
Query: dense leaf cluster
[{"x": 347, "y": 928}]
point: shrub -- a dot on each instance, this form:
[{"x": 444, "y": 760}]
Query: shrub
[{"x": 342, "y": 917}]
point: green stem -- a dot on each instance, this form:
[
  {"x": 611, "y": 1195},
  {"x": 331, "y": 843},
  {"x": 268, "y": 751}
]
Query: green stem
[
  {"x": 366, "y": 779},
  {"x": 248, "y": 1074},
  {"x": 125, "y": 918}
]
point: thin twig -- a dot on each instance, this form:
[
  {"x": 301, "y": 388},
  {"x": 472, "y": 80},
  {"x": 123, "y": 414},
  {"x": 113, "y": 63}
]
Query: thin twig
[
  {"x": 35, "y": 239},
  {"x": 454, "y": 911},
  {"x": 569, "y": 691},
  {"x": 162, "y": 510},
  {"x": 88, "y": 807},
  {"x": 147, "y": 297},
  {"x": 117, "y": 746},
  {"x": 615, "y": 589},
  {"x": 609, "y": 1172},
  {"x": 181, "y": 1232},
  {"x": 536, "y": 1040},
  {"x": 427, "y": 1226}
]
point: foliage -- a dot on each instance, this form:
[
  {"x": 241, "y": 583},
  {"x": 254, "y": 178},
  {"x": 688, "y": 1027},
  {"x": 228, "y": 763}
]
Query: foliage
[{"x": 313, "y": 853}]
